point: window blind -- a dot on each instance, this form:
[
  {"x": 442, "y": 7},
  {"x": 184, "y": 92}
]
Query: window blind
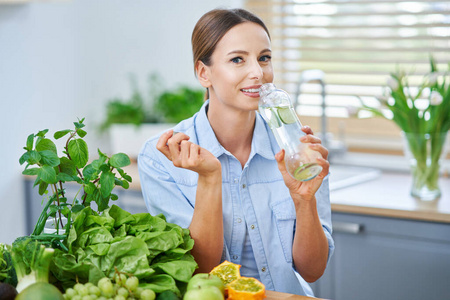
[{"x": 356, "y": 44}]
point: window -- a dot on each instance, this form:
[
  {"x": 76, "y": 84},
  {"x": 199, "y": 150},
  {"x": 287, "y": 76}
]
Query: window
[{"x": 356, "y": 44}]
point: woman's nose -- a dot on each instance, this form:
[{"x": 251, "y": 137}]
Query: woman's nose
[{"x": 256, "y": 70}]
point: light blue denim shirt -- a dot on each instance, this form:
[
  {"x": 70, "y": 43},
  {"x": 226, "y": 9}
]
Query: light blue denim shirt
[{"x": 254, "y": 198}]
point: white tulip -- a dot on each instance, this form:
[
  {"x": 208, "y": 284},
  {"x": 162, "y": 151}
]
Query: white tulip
[
  {"x": 383, "y": 99},
  {"x": 392, "y": 83},
  {"x": 435, "y": 98},
  {"x": 352, "y": 111},
  {"x": 432, "y": 78}
]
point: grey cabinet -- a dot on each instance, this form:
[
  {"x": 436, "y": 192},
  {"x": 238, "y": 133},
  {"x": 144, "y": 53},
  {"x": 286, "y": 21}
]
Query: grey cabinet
[{"x": 384, "y": 258}]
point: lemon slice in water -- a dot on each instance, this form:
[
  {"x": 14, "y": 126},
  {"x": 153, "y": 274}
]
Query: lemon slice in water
[
  {"x": 274, "y": 120},
  {"x": 287, "y": 115}
]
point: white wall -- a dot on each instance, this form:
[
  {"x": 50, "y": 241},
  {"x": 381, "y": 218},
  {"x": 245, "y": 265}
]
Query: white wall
[{"x": 60, "y": 60}]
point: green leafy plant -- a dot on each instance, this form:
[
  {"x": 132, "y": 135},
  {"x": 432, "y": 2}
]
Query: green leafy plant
[
  {"x": 137, "y": 109},
  {"x": 5, "y": 267},
  {"x": 153, "y": 250},
  {"x": 423, "y": 114},
  {"x": 155, "y": 106},
  {"x": 180, "y": 104},
  {"x": 99, "y": 240},
  {"x": 96, "y": 179}
]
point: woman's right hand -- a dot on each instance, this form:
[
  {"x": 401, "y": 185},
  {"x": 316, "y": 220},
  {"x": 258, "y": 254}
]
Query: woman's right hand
[{"x": 187, "y": 155}]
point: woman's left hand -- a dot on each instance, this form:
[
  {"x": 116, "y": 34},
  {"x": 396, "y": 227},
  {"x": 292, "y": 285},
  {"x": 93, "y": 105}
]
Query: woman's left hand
[{"x": 305, "y": 190}]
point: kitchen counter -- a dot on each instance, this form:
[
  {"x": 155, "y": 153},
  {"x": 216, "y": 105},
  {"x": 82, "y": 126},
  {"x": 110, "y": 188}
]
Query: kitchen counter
[{"x": 387, "y": 195}]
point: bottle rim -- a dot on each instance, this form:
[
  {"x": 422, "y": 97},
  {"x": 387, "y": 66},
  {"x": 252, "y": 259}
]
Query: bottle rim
[{"x": 266, "y": 88}]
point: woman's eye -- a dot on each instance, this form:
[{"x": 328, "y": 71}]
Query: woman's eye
[
  {"x": 265, "y": 58},
  {"x": 237, "y": 60}
]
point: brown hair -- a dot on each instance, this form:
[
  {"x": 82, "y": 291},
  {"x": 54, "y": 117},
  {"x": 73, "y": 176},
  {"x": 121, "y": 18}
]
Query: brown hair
[{"x": 212, "y": 26}]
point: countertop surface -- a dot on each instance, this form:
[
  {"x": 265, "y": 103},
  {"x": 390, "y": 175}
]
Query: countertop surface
[{"x": 387, "y": 195}]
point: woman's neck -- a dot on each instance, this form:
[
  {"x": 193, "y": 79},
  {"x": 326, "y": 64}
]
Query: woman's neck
[{"x": 234, "y": 130}]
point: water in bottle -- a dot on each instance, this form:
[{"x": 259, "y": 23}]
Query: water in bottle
[{"x": 276, "y": 108}]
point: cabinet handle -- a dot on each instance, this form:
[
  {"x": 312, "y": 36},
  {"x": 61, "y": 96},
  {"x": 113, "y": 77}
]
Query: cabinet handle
[{"x": 347, "y": 227}]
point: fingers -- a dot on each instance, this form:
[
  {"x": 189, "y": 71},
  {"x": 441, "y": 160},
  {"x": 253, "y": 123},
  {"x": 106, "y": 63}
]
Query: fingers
[
  {"x": 321, "y": 149},
  {"x": 185, "y": 147},
  {"x": 162, "y": 146},
  {"x": 193, "y": 160},
  {"x": 309, "y": 138},
  {"x": 325, "y": 167},
  {"x": 169, "y": 144},
  {"x": 279, "y": 157},
  {"x": 306, "y": 129},
  {"x": 315, "y": 142},
  {"x": 175, "y": 143}
]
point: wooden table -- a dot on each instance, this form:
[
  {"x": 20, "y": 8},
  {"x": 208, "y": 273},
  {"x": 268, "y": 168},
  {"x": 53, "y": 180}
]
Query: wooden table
[{"x": 271, "y": 295}]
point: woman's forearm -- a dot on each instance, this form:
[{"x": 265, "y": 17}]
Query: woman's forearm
[
  {"x": 310, "y": 248},
  {"x": 207, "y": 222}
]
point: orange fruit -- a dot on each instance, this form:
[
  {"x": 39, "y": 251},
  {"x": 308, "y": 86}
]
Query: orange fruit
[
  {"x": 246, "y": 288},
  {"x": 227, "y": 272}
]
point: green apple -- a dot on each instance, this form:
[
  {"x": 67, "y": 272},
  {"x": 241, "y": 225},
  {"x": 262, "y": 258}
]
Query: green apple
[
  {"x": 204, "y": 293},
  {"x": 205, "y": 279}
]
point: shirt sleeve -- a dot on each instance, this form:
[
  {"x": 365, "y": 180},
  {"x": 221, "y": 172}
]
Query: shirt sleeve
[
  {"x": 160, "y": 191},
  {"x": 324, "y": 211}
]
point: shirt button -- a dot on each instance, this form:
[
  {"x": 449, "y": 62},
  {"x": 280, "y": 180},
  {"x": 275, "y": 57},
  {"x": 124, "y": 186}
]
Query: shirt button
[
  {"x": 244, "y": 186},
  {"x": 236, "y": 180},
  {"x": 263, "y": 269},
  {"x": 252, "y": 227},
  {"x": 239, "y": 220},
  {"x": 235, "y": 257}
]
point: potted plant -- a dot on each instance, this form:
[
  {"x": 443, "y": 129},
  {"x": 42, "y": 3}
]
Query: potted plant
[
  {"x": 132, "y": 121},
  {"x": 423, "y": 115}
]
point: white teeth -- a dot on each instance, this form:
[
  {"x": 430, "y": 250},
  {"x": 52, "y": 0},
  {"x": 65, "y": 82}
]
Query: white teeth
[{"x": 251, "y": 90}]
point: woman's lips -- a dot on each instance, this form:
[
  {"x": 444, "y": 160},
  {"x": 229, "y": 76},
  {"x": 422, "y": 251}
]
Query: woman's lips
[{"x": 251, "y": 92}]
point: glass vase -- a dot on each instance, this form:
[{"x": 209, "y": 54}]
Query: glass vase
[
  {"x": 425, "y": 152},
  {"x": 51, "y": 227}
]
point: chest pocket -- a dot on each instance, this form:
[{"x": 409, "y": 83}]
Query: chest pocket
[{"x": 284, "y": 213}]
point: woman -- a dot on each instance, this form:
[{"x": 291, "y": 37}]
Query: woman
[{"x": 222, "y": 175}]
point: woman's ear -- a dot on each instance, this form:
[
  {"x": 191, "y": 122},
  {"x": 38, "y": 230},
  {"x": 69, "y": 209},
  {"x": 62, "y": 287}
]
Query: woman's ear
[{"x": 202, "y": 71}]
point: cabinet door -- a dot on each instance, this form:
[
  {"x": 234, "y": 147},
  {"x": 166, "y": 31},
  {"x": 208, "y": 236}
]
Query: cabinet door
[{"x": 383, "y": 258}]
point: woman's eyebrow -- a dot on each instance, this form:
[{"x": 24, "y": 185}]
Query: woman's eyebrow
[
  {"x": 238, "y": 52},
  {"x": 246, "y": 52}
]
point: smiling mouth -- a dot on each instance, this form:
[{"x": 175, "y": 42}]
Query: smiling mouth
[{"x": 250, "y": 90}]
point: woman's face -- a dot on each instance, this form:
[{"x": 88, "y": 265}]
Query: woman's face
[{"x": 240, "y": 64}]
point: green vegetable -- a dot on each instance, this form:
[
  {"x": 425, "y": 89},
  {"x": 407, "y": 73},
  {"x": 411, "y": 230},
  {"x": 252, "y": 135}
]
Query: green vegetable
[
  {"x": 31, "y": 261},
  {"x": 96, "y": 179},
  {"x": 4, "y": 267},
  {"x": 95, "y": 243},
  {"x": 167, "y": 295},
  {"x": 7, "y": 271},
  {"x": 40, "y": 291},
  {"x": 154, "y": 251}
]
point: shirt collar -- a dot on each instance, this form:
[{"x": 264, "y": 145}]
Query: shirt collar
[
  {"x": 205, "y": 134},
  {"x": 262, "y": 144}
]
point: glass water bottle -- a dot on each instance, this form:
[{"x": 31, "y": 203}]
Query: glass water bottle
[{"x": 276, "y": 108}]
